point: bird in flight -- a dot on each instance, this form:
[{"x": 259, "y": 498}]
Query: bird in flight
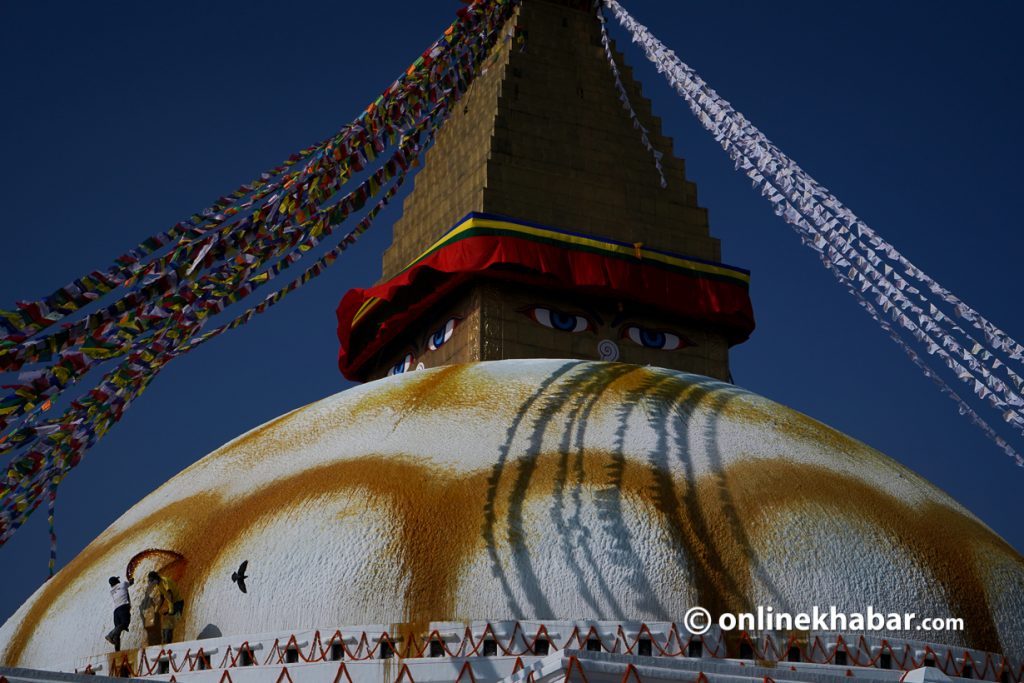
[{"x": 239, "y": 577}]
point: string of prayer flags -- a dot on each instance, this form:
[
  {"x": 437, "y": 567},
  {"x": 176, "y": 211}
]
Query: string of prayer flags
[
  {"x": 906, "y": 302},
  {"x": 624, "y": 98},
  {"x": 164, "y": 292}
]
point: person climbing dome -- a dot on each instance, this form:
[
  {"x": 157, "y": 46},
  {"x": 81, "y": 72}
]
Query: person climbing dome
[
  {"x": 171, "y": 604},
  {"x": 122, "y": 610}
]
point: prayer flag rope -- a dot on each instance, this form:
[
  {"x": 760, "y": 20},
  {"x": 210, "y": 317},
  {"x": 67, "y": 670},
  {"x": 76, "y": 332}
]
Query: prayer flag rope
[
  {"x": 624, "y": 96},
  {"x": 53, "y": 528},
  {"x": 198, "y": 247},
  {"x": 872, "y": 270},
  {"x": 178, "y": 280},
  {"x": 409, "y": 149},
  {"x": 418, "y": 84},
  {"x": 45, "y": 384}
]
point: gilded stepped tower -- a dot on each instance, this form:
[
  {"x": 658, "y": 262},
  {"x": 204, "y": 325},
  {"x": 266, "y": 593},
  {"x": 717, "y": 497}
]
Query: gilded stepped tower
[{"x": 542, "y": 139}]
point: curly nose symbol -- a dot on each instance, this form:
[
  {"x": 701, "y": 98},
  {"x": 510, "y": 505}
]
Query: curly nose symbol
[{"x": 607, "y": 350}]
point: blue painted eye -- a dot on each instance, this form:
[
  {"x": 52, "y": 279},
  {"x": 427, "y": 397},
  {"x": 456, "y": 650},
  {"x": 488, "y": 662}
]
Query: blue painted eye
[
  {"x": 564, "y": 321},
  {"x": 559, "y": 320},
  {"x": 652, "y": 338},
  {"x": 401, "y": 366},
  {"x": 442, "y": 334},
  {"x": 655, "y": 339}
]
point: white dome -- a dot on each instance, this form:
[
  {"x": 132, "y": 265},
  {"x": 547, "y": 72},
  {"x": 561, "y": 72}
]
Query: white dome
[{"x": 539, "y": 489}]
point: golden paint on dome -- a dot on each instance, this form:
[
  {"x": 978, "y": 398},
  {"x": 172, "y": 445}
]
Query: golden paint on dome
[{"x": 435, "y": 518}]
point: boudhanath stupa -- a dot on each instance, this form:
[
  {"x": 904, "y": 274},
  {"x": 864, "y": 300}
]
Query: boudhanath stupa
[{"x": 547, "y": 465}]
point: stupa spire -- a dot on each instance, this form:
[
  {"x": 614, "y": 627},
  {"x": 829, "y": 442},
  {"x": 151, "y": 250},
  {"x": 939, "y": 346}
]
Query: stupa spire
[
  {"x": 542, "y": 136},
  {"x": 542, "y": 141}
]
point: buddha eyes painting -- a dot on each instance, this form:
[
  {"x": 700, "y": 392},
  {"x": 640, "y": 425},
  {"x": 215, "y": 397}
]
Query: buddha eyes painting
[{"x": 576, "y": 322}]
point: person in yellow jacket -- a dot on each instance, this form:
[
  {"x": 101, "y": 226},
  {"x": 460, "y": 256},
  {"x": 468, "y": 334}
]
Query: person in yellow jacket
[{"x": 171, "y": 606}]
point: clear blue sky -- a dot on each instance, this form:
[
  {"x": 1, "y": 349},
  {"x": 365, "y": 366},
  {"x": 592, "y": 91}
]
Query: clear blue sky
[{"x": 120, "y": 118}]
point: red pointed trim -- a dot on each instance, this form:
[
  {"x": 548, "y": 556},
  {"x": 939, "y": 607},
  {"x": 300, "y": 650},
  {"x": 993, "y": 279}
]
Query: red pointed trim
[
  {"x": 342, "y": 669},
  {"x": 591, "y": 633},
  {"x": 405, "y": 673},
  {"x": 574, "y": 662},
  {"x": 631, "y": 671},
  {"x": 547, "y": 636},
  {"x": 466, "y": 668}
]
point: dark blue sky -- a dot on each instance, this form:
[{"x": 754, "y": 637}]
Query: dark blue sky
[{"x": 120, "y": 118}]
